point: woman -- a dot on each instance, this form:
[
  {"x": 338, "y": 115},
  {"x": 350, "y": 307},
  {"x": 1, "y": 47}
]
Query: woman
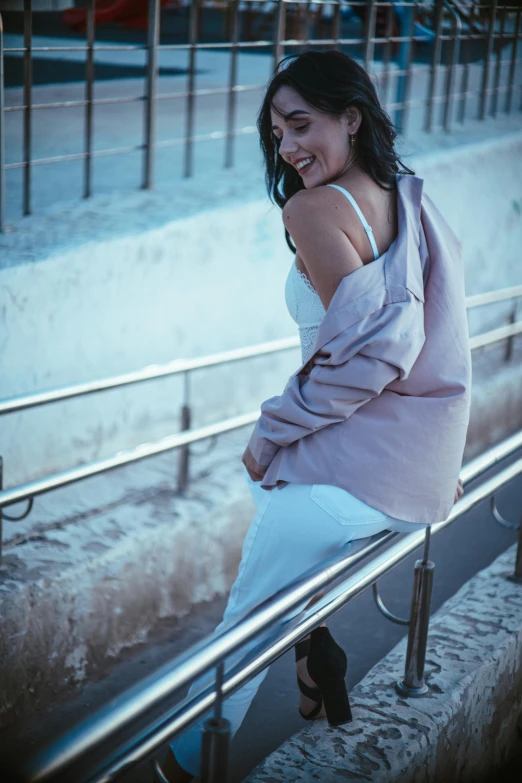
[{"x": 368, "y": 434}]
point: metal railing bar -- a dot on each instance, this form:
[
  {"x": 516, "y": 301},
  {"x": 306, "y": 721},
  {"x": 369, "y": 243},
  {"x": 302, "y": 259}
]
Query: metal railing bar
[
  {"x": 75, "y": 156},
  {"x": 191, "y": 98},
  {"x": 151, "y": 372},
  {"x": 452, "y": 67},
  {"x": 492, "y": 297},
  {"x": 510, "y": 330},
  {"x": 2, "y": 130},
  {"x": 149, "y": 120},
  {"x": 219, "y": 91},
  {"x": 205, "y": 655},
  {"x": 513, "y": 63},
  {"x": 487, "y": 61},
  {"x": 89, "y": 90},
  {"x": 133, "y": 98},
  {"x": 56, "y": 480},
  {"x": 490, "y": 458},
  {"x": 177, "y": 366},
  {"x": 231, "y": 91},
  {"x": 27, "y": 118}
]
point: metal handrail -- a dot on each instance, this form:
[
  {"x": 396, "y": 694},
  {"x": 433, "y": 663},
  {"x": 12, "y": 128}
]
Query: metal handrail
[
  {"x": 177, "y": 366},
  {"x": 54, "y": 481},
  {"x": 151, "y": 372},
  {"x": 109, "y": 724}
]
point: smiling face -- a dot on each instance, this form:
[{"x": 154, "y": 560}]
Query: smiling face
[{"x": 315, "y": 143}]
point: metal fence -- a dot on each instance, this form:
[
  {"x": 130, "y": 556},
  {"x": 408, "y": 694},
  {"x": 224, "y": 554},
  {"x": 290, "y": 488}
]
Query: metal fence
[
  {"x": 182, "y": 441},
  {"x": 408, "y": 46},
  {"x": 133, "y": 728}
]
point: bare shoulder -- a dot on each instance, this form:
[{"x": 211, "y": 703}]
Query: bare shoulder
[
  {"x": 316, "y": 203},
  {"x": 311, "y": 218}
]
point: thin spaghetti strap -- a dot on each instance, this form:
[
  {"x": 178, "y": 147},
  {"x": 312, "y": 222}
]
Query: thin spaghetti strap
[{"x": 366, "y": 225}]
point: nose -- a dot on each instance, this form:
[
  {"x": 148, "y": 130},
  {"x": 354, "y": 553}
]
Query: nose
[{"x": 287, "y": 147}]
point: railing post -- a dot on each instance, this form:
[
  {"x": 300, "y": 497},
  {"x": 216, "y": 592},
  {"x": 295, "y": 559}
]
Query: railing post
[
  {"x": 216, "y": 740},
  {"x": 184, "y": 452},
  {"x": 1, "y": 509},
  {"x": 517, "y": 575},
  {"x": 407, "y": 29},
  {"x": 413, "y": 682},
  {"x": 191, "y": 96},
  {"x": 279, "y": 33},
  {"x": 151, "y": 98},
  {"x": 487, "y": 60},
  {"x": 2, "y": 131},
  {"x": 435, "y": 62},
  {"x": 89, "y": 79},
  {"x": 369, "y": 46},
  {"x": 509, "y": 342},
  {"x": 28, "y": 85}
]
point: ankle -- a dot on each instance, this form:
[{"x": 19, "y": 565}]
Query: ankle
[{"x": 172, "y": 770}]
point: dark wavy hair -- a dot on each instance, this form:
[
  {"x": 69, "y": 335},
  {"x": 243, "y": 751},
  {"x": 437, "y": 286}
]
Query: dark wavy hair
[{"x": 329, "y": 81}]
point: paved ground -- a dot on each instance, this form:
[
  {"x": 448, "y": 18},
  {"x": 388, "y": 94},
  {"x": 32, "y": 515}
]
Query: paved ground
[{"x": 468, "y": 546}]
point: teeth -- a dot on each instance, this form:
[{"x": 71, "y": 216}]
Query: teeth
[{"x": 304, "y": 162}]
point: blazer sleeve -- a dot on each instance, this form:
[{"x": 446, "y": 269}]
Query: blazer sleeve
[{"x": 351, "y": 369}]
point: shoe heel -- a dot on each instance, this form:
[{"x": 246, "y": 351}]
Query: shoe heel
[{"x": 336, "y": 702}]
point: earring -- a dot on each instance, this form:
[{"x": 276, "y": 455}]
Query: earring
[{"x": 352, "y": 139}]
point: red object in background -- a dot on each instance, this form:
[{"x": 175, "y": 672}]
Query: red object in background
[{"x": 131, "y": 13}]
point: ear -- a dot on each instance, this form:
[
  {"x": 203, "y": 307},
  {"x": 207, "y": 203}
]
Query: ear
[{"x": 353, "y": 118}]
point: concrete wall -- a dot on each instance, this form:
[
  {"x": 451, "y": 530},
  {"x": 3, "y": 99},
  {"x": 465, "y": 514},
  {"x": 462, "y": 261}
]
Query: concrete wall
[{"x": 115, "y": 284}]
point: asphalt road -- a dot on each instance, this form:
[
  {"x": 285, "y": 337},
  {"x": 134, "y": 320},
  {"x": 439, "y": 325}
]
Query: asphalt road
[{"x": 459, "y": 552}]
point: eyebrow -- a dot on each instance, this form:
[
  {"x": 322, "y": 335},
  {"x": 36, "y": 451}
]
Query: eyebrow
[{"x": 292, "y": 115}]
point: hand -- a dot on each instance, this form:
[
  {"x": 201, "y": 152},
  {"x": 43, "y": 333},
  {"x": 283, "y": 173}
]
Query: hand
[
  {"x": 255, "y": 470},
  {"x": 459, "y": 492}
]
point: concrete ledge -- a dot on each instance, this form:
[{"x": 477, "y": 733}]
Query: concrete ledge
[{"x": 465, "y": 728}]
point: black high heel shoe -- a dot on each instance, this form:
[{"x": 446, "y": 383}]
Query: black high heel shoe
[
  {"x": 327, "y": 667},
  {"x": 302, "y": 649}
]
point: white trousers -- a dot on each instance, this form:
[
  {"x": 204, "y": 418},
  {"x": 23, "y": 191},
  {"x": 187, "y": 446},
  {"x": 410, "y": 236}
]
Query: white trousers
[{"x": 294, "y": 528}]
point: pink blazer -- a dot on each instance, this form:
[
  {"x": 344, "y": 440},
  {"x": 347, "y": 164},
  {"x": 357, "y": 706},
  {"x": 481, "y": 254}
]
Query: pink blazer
[{"x": 381, "y": 408}]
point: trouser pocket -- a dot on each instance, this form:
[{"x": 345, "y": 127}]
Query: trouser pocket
[{"x": 343, "y": 506}]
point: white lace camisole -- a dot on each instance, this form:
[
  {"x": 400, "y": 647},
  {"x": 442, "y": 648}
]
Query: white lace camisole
[{"x": 302, "y": 300}]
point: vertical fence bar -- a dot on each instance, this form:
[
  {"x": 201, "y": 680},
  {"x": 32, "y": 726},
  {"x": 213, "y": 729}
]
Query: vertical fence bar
[
  {"x": 184, "y": 451},
  {"x": 517, "y": 574},
  {"x": 216, "y": 739},
  {"x": 487, "y": 58},
  {"x": 1, "y": 509},
  {"x": 191, "y": 98},
  {"x": 369, "y": 35},
  {"x": 232, "y": 80},
  {"x": 28, "y": 83},
  {"x": 451, "y": 68},
  {"x": 512, "y": 66},
  {"x": 279, "y": 32},
  {"x": 150, "y": 92},
  {"x": 386, "y": 56},
  {"x": 336, "y": 24},
  {"x": 89, "y": 79},
  {"x": 405, "y": 58},
  {"x": 2, "y": 151},
  {"x": 435, "y": 60},
  {"x": 413, "y": 682},
  {"x": 509, "y": 342},
  {"x": 498, "y": 64},
  {"x": 466, "y": 56}
]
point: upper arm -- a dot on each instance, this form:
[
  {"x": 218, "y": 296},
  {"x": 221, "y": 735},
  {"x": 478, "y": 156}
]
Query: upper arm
[{"x": 312, "y": 220}]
